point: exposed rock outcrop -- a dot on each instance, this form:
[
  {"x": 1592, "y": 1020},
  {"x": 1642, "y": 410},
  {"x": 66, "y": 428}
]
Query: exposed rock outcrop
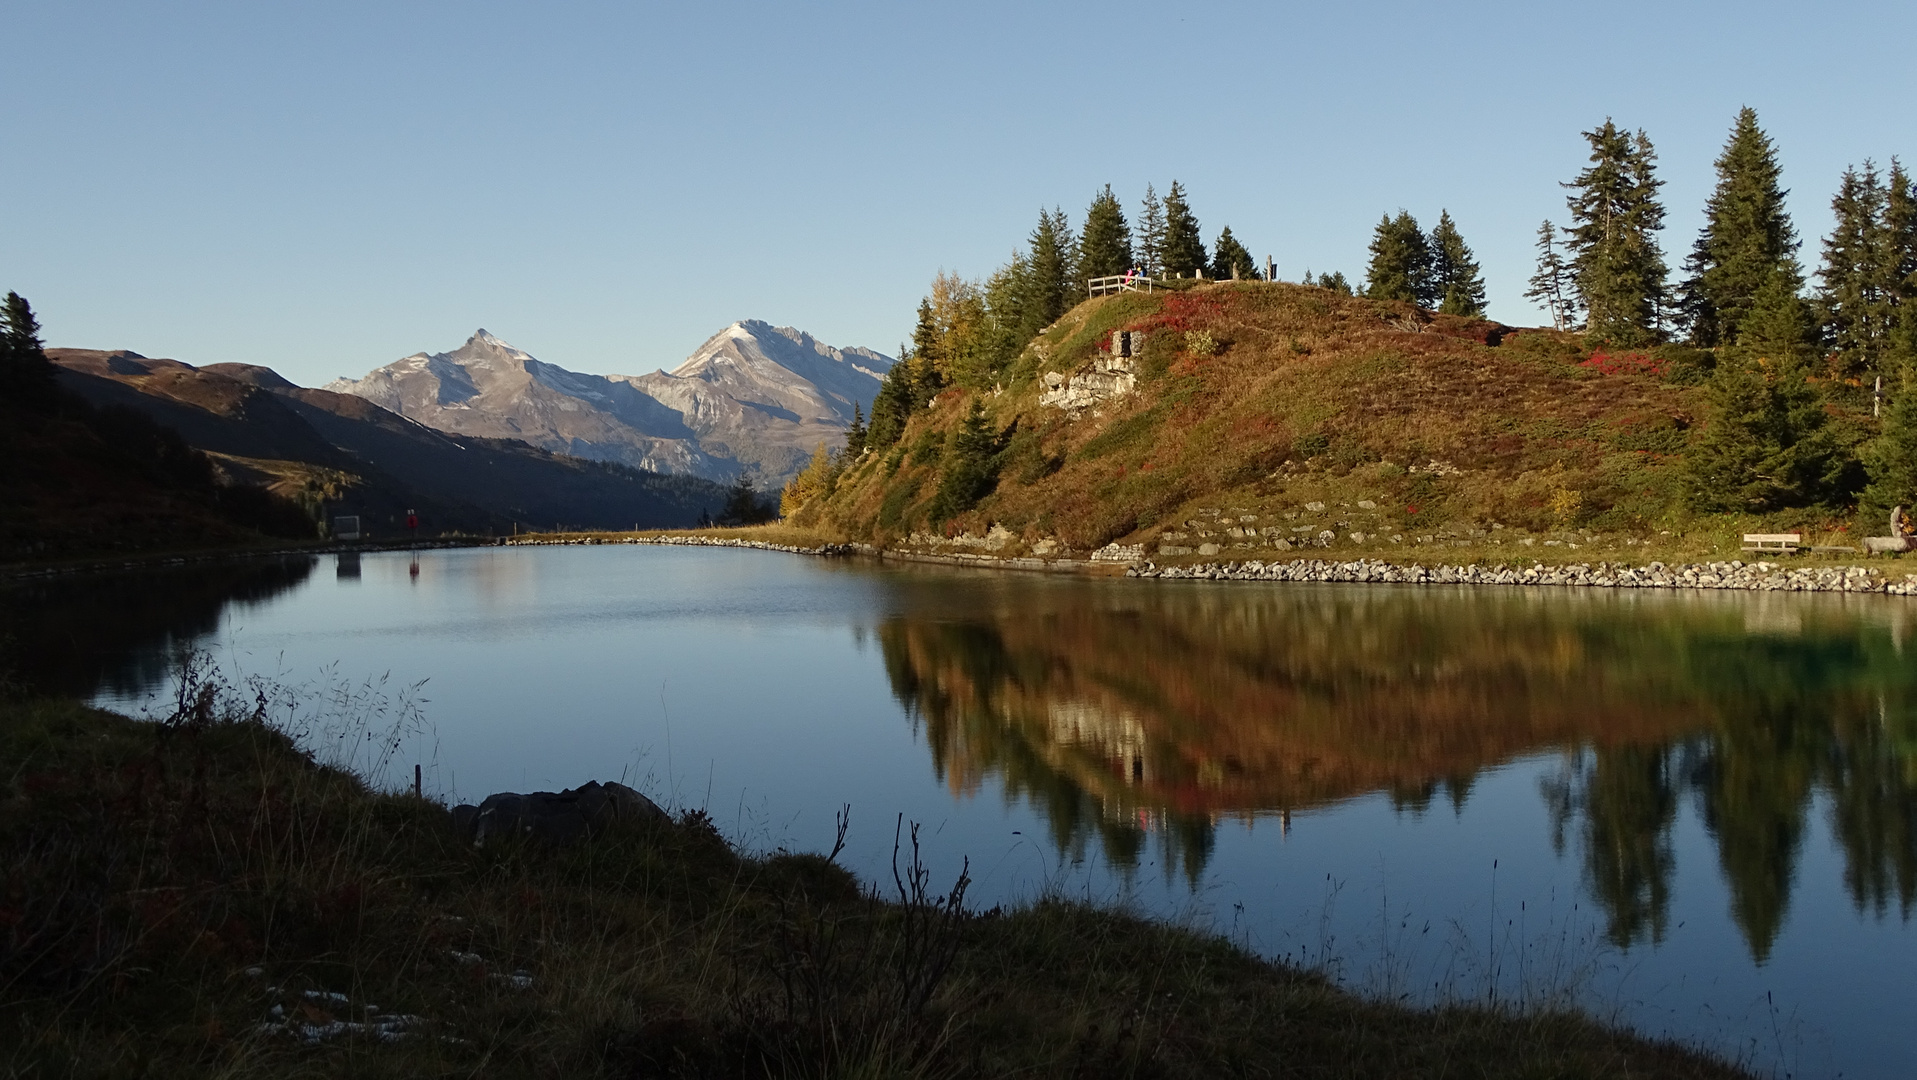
[
  {"x": 1113, "y": 374},
  {"x": 557, "y": 818}
]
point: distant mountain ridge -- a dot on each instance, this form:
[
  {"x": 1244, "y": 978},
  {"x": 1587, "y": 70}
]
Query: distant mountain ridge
[
  {"x": 754, "y": 397},
  {"x": 359, "y": 458}
]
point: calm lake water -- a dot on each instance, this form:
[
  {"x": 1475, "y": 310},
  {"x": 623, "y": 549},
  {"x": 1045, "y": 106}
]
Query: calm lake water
[{"x": 1693, "y": 813}]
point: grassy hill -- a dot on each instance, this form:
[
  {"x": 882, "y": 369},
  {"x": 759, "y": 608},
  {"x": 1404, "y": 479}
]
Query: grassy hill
[
  {"x": 1271, "y": 411},
  {"x": 84, "y": 482}
]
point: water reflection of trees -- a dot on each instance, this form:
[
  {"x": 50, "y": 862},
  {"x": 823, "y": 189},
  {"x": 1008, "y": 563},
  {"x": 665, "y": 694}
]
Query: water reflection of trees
[
  {"x": 83, "y": 634},
  {"x": 1784, "y": 720},
  {"x": 1146, "y": 719}
]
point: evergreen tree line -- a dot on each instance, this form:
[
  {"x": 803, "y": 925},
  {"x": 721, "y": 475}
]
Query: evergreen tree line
[
  {"x": 1779, "y": 354},
  {"x": 1606, "y": 273},
  {"x": 1434, "y": 271},
  {"x": 968, "y": 332}
]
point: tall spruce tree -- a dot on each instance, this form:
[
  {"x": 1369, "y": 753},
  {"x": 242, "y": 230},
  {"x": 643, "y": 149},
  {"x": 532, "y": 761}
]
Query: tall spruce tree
[
  {"x": 892, "y": 405},
  {"x": 1615, "y": 215},
  {"x": 965, "y": 469},
  {"x": 1229, "y": 259},
  {"x": 26, "y": 375},
  {"x": 1105, "y": 248},
  {"x": 1552, "y": 287},
  {"x": 1747, "y": 237},
  {"x": 855, "y": 436},
  {"x": 927, "y": 342},
  {"x": 1766, "y": 444},
  {"x": 1151, "y": 233},
  {"x": 1007, "y": 297},
  {"x": 744, "y": 505},
  {"x": 1900, "y": 222},
  {"x": 1400, "y": 266},
  {"x": 1455, "y": 276},
  {"x": 1890, "y": 460},
  {"x": 1050, "y": 275},
  {"x": 1864, "y": 275},
  {"x": 1184, "y": 249}
]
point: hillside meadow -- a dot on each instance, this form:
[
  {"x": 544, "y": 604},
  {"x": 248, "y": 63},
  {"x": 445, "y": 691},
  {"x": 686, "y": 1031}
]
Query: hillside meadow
[{"x": 1267, "y": 411}]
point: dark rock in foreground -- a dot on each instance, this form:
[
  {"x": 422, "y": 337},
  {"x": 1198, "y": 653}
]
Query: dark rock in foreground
[{"x": 557, "y": 818}]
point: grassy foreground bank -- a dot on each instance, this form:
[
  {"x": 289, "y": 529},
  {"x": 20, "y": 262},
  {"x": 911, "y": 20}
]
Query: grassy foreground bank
[{"x": 199, "y": 898}]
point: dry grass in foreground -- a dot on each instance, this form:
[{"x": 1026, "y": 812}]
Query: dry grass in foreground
[{"x": 200, "y": 898}]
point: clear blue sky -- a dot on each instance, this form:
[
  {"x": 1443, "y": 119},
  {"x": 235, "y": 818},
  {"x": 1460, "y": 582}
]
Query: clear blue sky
[{"x": 327, "y": 187}]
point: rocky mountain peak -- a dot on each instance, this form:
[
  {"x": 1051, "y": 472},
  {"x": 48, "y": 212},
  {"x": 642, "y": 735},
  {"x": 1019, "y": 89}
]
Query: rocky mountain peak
[{"x": 753, "y": 396}]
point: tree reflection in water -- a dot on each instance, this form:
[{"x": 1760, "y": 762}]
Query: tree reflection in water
[
  {"x": 115, "y": 632},
  {"x": 1152, "y": 716}
]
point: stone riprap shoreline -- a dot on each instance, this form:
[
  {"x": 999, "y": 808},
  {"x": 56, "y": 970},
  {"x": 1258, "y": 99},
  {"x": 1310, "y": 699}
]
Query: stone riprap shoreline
[
  {"x": 1754, "y": 577},
  {"x": 692, "y": 541},
  {"x": 1735, "y": 574}
]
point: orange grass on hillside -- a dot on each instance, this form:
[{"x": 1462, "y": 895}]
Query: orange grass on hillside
[{"x": 1447, "y": 425}]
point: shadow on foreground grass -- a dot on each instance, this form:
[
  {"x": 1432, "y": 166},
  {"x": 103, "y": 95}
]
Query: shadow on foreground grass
[{"x": 198, "y": 897}]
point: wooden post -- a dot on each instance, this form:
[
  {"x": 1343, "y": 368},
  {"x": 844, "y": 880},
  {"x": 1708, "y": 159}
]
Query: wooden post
[{"x": 415, "y": 780}]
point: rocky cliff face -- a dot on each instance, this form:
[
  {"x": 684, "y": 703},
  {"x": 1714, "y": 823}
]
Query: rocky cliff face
[{"x": 753, "y": 397}]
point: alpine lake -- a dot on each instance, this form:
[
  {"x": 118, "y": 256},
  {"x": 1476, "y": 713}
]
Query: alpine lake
[{"x": 1693, "y": 813}]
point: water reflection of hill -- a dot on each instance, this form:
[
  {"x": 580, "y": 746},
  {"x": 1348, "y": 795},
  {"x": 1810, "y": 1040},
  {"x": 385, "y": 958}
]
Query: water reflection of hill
[
  {"x": 113, "y": 633},
  {"x": 1127, "y": 714}
]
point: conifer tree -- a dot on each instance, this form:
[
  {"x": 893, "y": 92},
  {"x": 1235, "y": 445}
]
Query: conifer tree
[
  {"x": 1184, "y": 249},
  {"x": 1455, "y": 276},
  {"x": 1863, "y": 277},
  {"x": 1400, "y": 261},
  {"x": 927, "y": 381},
  {"x": 1900, "y": 222},
  {"x": 26, "y": 375},
  {"x": 1335, "y": 281},
  {"x": 1106, "y": 248},
  {"x": 1552, "y": 287},
  {"x": 965, "y": 470},
  {"x": 926, "y": 338},
  {"x": 743, "y": 505},
  {"x": 1766, "y": 444},
  {"x": 1890, "y": 460},
  {"x": 1049, "y": 278},
  {"x": 892, "y": 405},
  {"x": 1229, "y": 259},
  {"x": 1615, "y": 216},
  {"x": 855, "y": 435},
  {"x": 1151, "y": 233},
  {"x": 1068, "y": 243},
  {"x": 1747, "y": 236},
  {"x": 1007, "y": 297}
]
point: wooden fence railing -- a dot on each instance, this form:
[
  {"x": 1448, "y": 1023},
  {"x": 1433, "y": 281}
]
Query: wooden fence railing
[{"x": 1101, "y": 286}]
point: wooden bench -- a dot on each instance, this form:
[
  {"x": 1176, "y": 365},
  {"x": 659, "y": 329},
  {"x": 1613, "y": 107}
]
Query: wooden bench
[{"x": 1788, "y": 543}]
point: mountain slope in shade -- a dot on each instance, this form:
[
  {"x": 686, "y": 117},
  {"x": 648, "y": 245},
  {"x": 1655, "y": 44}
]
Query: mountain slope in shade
[
  {"x": 258, "y": 423},
  {"x": 753, "y": 397}
]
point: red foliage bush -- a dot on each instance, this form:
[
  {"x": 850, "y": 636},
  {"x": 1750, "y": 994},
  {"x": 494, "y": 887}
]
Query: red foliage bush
[{"x": 1635, "y": 363}]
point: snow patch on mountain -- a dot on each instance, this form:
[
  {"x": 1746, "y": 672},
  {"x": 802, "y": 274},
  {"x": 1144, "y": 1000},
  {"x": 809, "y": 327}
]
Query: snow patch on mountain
[{"x": 754, "y": 396}]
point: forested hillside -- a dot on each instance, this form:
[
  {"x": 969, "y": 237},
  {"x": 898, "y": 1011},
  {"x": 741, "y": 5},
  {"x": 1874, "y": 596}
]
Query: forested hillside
[
  {"x": 78, "y": 480},
  {"x": 1216, "y": 411}
]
